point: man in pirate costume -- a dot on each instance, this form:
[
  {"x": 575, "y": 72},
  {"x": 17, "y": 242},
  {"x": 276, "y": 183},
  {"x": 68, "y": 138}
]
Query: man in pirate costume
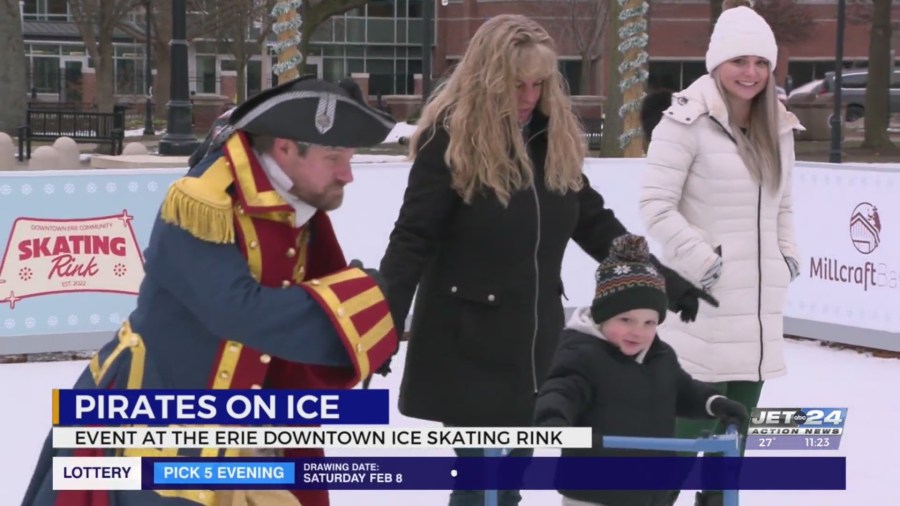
[{"x": 246, "y": 286}]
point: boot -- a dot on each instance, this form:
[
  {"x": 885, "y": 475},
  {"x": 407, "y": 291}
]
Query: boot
[{"x": 713, "y": 498}]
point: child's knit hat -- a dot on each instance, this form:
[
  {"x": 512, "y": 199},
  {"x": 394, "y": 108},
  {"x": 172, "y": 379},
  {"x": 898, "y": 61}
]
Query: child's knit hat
[{"x": 627, "y": 280}]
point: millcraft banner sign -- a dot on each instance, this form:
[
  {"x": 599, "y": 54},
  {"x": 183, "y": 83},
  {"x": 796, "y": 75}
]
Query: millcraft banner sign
[{"x": 848, "y": 229}]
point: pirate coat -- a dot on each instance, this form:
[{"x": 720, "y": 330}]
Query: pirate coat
[{"x": 235, "y": 297}]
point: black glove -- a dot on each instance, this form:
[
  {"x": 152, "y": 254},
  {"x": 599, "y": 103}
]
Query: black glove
[
  {"x": 684, "y": 297},
  {"x": 729, "y": 412},
  {"x": 379, "y": 279}
]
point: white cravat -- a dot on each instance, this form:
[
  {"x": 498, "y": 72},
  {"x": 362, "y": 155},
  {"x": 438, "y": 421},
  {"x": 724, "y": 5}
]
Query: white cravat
[{"x": 283, "y": 184}]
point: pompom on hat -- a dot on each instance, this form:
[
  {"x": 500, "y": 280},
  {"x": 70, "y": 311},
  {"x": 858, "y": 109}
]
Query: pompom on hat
[
  {"x": 627, "y": 280},
  {"x": 740, "y": 31}
]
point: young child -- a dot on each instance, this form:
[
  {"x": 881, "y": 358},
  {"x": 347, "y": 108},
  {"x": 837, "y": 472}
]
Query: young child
[{"x": 612, "y": 373}]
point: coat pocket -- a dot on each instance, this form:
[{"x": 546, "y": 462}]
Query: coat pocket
[{"x": 482, "y": 334}]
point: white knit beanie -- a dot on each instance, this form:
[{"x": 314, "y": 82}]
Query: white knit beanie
[{"x": 740, "y": 31}]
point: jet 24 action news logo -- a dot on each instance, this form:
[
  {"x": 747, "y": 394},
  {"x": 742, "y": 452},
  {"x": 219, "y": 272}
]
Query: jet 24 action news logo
[
  {"x": 46, "y": 257},
  {"x": 796, "y": 428},
  {"x": 797, "y": 421}
]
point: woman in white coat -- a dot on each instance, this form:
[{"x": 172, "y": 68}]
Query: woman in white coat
[{"x": 717, "y": 198}]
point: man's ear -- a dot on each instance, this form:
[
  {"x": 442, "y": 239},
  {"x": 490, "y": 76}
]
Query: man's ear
[
  {"x": 281, "y": 150},
  {"x": 281, "y": 146}
]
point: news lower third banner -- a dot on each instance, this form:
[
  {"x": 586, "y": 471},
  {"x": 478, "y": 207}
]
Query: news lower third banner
[
  {"x": 220, "y": 407},
  {"x": 449, "y": 473}
]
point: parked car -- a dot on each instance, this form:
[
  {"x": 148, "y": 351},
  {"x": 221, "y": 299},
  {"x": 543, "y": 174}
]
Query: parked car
[
  {"x": 814, "y": 106},
  {"x": 853, "y": 91},
  {"x": 811, "y": 92}
]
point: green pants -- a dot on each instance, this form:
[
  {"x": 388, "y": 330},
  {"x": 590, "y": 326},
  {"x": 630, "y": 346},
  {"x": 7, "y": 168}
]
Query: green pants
[{"x": 745, "y": 392}]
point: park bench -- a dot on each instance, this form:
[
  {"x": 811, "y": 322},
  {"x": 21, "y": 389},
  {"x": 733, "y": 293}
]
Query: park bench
[{"x": 44, "y": 124}]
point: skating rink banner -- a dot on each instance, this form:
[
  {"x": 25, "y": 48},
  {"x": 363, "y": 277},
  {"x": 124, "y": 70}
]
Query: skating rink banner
[{"x": 71, "y": 245}]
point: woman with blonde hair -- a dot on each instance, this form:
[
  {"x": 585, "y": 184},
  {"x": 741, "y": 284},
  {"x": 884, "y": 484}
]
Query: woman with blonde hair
[
  {"x": 494, "y": 195},
  {"x": 717, "y": 197}
]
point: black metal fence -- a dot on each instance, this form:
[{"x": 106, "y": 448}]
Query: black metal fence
[{"x": 134, "y": 112}]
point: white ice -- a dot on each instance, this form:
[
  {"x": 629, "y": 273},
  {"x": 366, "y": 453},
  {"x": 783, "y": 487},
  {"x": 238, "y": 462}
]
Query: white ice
[{"x": 818, "y": 376}]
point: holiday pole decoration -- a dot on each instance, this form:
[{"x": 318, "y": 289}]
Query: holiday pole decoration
[
  {"x": 287, "y": 29},
  {"x": 633, "y": 74}
]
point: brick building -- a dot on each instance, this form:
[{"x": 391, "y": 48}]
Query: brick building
[
  {"x": 381, "y": 43},
  {"x": 679, "y": 33}
]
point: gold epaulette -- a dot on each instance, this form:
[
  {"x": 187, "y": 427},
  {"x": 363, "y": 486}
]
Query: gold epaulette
[{"x": 201, "y": 205}]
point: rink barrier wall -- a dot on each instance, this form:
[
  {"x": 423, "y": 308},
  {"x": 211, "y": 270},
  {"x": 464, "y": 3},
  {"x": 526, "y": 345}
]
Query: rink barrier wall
[{"x": 847, "y": 219}]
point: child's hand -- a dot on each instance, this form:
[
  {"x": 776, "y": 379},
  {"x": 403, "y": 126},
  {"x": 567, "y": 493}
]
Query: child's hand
[{"x": 730, "y": 412}]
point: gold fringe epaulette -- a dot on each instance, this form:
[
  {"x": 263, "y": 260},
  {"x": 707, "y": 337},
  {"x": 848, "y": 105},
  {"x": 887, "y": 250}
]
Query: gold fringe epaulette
[{"x": 202, "y": 205}]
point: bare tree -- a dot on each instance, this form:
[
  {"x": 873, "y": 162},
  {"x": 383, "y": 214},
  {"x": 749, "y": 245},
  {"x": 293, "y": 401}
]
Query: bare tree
[
  {"x": 583, "y": 23},
  {"x": 96, "y": 21},
  {"x": 879, "y": 76},
  {"x": 12, "y": 79},
  {"x": 241, "y": 27},
  {"x": 859, "y": 12},
  {"x": 791, "y": 22},
  {"x": 161, "y": 34}
]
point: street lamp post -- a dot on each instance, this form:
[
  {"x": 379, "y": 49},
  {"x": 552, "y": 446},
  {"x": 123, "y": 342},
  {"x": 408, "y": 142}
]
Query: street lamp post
[
  {"x": 179, "y": 139},
  {"x": 148, "y": 77},
  {"x": 427, "y": 42},
  {"x": 836, "y": 116}
]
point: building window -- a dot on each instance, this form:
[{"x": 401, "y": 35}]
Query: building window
[
  {"x": 381, "y": 31},
  {"x": 674, "y": 75},
  {"x": 129, "y": 70},
  {"x": 415, "y": 9},
  {"x": 571, "y": 71},
  {"x": 380, "y": 8},
  {"x": 804, "y": 71},
  {"x": 128, "y": 77},
  {"x": 381, "y": 77},
  {"x": 45, "y": 74},
  {"x": 206, "y": 74},
  {"x": 45, "y": 10}
]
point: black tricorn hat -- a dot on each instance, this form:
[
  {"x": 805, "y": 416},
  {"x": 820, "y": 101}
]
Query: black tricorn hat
[{"x": 313, "y": 111}]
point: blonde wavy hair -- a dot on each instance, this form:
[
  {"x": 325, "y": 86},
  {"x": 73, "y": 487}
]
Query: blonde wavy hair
[
  {"x": 477, "y": 105},
  {"x": 760, "y": 147}
]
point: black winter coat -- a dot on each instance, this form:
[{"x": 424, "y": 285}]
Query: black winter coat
[
  {"x": 488, "y": 312},
  {"x": 593, "y": 384}
]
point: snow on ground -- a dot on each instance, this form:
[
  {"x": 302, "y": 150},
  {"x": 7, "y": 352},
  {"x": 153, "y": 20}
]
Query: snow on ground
[
  {"x": 401, "y": 129},
  {"x": 818, "y": 376}
]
